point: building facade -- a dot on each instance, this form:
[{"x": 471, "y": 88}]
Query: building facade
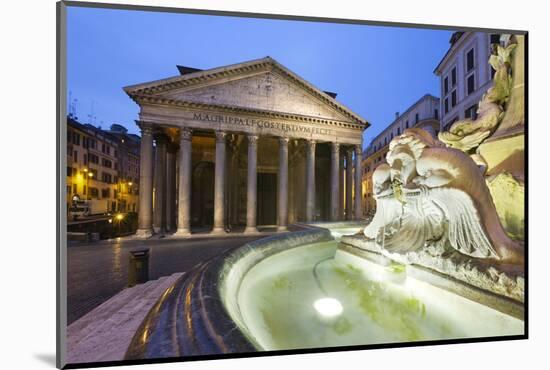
[
  {"x": 465, "y": 75},
  {"x": 128, "y": 146},
  {"x": 247, "y": 144},
  {"x": 91, "y": 164},
  {"x": 423, "y": 114}
]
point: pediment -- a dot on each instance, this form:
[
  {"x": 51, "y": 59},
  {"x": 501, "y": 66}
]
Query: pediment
[
  {"x": 265, "y": 91},
  {"x": 262, "y": 85}
]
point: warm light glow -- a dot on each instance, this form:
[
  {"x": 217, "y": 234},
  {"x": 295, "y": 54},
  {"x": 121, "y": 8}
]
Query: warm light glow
[
  {"x": 328, "y": 307},
  {"x": 130, "y": 183},
  {"x": 110, "y": 220},
  {"x": 119, "y": 216},
  {"x": 91, "y": 174},
  {"x": 85, "y": 170}
]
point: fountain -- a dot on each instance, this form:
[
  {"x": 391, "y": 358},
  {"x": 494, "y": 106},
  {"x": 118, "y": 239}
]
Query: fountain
[{"x": 442, "y": 259}]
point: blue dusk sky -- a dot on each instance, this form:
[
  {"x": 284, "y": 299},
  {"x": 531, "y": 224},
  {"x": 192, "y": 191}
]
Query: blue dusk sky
[{"x": 375, "y": 70}]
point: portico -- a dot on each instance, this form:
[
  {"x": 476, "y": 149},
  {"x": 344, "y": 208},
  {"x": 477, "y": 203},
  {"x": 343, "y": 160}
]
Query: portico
[{"x": 248, "y": 144}]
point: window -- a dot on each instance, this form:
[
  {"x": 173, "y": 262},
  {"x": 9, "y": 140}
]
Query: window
[
  {"x": 453, "y": 76},
  {"x": 85, "y": 159},
  {"x": 446, "y": 105},
  {"x": 75, "y": 156},
  {"x": 495, "y": 38},
  {"x": 93, "y": 192},
  {"x": 470, "y": 60},
  {"x": 92, "y": 158},
  {"x": 105, "y": 193},
  {"x": 436, "y": 114},
  {"x": 470, "y": 84},
  {"x": 416, "y": 118},
  {"x": 446, "y": 85},
  {"x": 69, "y": 171},
  {"x": 74, "y": 189},
  {"x": 398, "y": 131},
  {"x": 471, "y": 112},
  {"x": 391, "y": 136},
  {"x": 453, "y": 99},
  {"x": 68, "y": 190},
  {"x": 407, "y": 124},
  {"x": 106, "y": 163},
  {"x": 84, "y": 189},
  {"x": 94, "y": 173},
  {"x": 106, "y": 177}
]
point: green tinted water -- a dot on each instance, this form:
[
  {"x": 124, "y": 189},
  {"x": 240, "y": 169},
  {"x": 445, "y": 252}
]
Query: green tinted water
[{"x": 380, "y": 304}]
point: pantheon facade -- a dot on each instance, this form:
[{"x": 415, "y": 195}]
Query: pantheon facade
[{"x": 239, "y": 146}]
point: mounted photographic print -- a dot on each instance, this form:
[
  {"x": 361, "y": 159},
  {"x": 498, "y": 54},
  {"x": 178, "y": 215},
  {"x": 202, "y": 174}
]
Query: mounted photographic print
[{"x": 237, "y": 184}]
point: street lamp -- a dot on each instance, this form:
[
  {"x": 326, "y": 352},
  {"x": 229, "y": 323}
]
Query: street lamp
[{"x": 119, "y": 217}]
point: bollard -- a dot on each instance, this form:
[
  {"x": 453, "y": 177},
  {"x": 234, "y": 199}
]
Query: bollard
[{"x": 138, "y": 267}]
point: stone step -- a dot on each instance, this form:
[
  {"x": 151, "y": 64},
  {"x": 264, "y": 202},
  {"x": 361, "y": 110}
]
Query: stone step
[
  {"x": 105, "y": 310},
  {"x": 105, "y": 333}
]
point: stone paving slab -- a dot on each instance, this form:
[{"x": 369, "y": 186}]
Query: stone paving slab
[{"x": 105, "y": 333}]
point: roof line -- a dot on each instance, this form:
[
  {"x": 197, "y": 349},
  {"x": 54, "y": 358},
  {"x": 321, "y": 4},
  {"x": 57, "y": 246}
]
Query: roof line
[
  {"x": 428, "y": 95},
  {"x": 142, "y": 88}
]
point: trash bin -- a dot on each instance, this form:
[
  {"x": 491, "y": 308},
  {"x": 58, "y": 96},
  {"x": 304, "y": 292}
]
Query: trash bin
[{"x": 138, "y": 268}]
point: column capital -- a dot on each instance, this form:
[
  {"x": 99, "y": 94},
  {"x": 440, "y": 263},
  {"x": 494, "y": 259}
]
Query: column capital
[
  {"x": 146, "y": 129},
  {"x": 186, "y": 133},
  {"x": 283, "y": 140},
  {"x": 220, "y": 136},
  {"x": 335, "y": 147},
  {"x": 252, "y": 139},
  {"x": 311, "y": 143}
]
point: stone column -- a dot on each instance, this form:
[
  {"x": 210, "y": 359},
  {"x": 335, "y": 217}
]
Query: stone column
[
  {"x": 310, "y": 181},
  {"x": 358, "y": 186},
  {"x": 341, "y": 176},
  {"x": 283, "y": 184},
  {"x": 170, "y": 187},
  {"x": 159, "y": 214},
  {"x": 233, "y": 182},
  {"x": 349, "y": 184},
  {"x": 145, "y": 213},
  {"x": 184, "y": 191},
  {"x": 219, "y": 184},
  {"x": 251, "y": 192},
  {"x": 334, "y": 181}
]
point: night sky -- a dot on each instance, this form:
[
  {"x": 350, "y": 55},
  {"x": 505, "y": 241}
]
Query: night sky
[{"x": 375, "y": 70}]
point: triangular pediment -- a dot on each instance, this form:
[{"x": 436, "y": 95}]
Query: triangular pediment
[{"x": 262, "y": 85}]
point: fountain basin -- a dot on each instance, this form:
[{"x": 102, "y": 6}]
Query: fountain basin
[{"x": 302, "y": 290}]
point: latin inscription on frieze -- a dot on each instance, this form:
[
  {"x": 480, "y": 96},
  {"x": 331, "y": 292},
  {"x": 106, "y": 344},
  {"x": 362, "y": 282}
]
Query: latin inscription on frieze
[{"x": 259, "y": 123}]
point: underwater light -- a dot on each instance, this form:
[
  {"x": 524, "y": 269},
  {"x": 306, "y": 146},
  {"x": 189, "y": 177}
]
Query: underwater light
[{"x": 328, "y": 307}]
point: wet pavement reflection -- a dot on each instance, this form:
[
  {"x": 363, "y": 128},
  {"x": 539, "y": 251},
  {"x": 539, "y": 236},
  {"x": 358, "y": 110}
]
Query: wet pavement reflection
[{"x": 96, "y": 272}]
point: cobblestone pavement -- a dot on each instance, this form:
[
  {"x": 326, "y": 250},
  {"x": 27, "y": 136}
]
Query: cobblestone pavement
[{"x": 98, "y": 271}]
